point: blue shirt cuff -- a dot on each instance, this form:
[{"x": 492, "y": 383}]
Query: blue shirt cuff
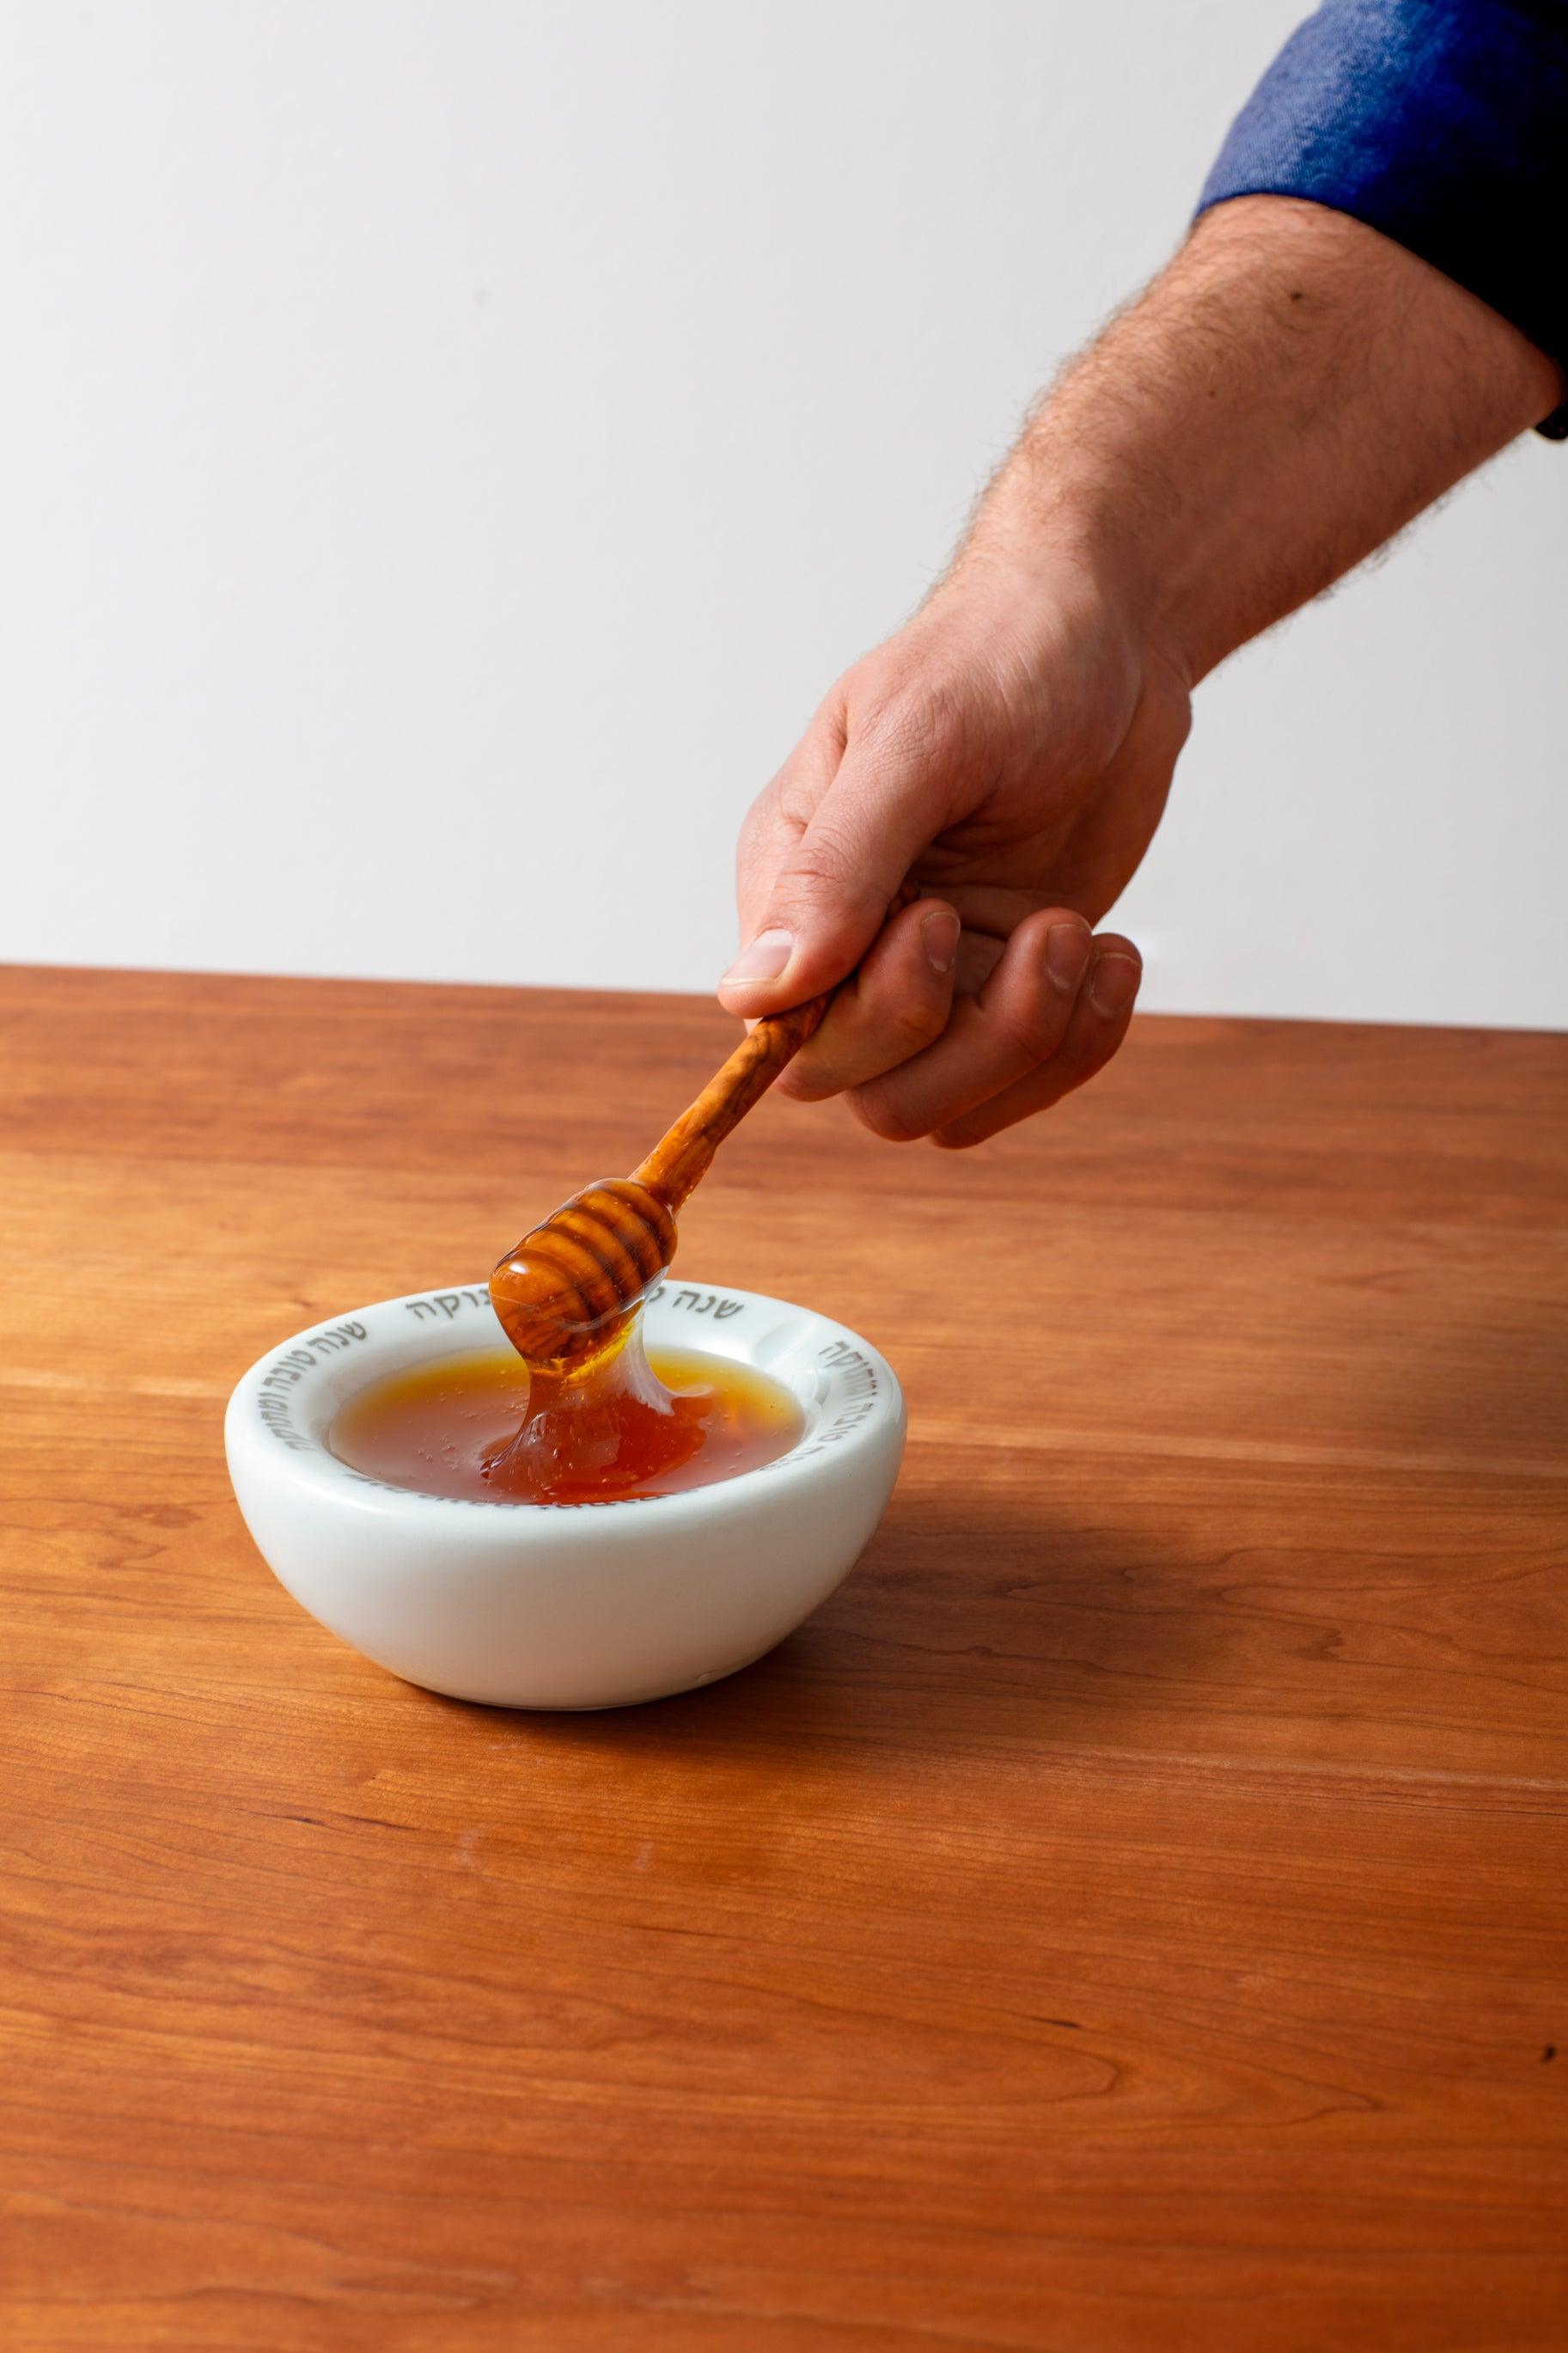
[{"x": 1442, "y": 123}]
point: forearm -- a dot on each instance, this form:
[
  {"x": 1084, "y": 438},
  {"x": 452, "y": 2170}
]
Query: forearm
[{"x": 1286, "y": 396}]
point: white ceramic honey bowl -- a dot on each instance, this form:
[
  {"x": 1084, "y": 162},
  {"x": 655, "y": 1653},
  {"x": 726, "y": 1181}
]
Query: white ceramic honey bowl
[{"x": 565, "y": 1606}]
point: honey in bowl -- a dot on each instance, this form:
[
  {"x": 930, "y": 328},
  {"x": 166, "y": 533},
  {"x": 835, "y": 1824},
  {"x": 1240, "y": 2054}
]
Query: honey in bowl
[{"x": 639, "y": 1425}]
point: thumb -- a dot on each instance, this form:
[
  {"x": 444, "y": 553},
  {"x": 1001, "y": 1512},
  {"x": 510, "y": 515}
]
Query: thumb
[{"x": 829, "y": 896}]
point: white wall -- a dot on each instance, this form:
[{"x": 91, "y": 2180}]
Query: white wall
[{"x": 449, "y": 447}]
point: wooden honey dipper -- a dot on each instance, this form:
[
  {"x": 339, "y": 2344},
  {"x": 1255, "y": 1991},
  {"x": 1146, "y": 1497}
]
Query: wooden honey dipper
[{"x": 570, "y": 1287}]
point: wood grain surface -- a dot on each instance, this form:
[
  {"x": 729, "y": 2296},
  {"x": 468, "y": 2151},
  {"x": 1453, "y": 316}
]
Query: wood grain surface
[{"x": 1133, "y": 1913}]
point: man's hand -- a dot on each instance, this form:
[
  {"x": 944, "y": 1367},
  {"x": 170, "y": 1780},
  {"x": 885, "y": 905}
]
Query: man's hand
[
  {"x": 1010, "y": 752},
  {"x": 1290, "y": 391}
]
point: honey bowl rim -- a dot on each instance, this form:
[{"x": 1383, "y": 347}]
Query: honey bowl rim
[{"x": 282, "y": 1407}]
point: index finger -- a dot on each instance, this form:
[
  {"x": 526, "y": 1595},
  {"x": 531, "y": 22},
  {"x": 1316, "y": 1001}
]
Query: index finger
[{"x": 824, "y": 903}]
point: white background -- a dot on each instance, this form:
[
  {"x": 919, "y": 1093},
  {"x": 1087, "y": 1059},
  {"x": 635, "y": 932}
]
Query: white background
[{"x": 450, "y": 448}]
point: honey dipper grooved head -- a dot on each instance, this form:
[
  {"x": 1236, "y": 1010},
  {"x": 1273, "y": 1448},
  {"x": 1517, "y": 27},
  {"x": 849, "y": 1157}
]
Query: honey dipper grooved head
[{"x": 566, "y": 1287}]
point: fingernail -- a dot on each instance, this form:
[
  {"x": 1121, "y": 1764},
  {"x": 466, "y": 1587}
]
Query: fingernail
[
  {"x": 765, "y": 957},
  {"x": 939, "y": 931},
  {"x": 1067, "y": 953},
  {"x": 1113, "y": 984}
]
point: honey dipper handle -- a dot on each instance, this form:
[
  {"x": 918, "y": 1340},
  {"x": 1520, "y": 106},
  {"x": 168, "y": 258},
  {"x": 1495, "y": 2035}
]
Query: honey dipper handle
[{"x": 685, "y": 1155}]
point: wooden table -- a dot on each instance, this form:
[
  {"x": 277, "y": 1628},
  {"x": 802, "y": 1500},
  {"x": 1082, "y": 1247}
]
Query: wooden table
[{"x": 1131, "y": 1914}]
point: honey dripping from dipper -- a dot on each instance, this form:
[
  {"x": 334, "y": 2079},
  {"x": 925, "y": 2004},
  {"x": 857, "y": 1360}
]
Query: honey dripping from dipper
[
  {"x": 576, "y": 1411},
  {"x": 569, "y": 1298}
]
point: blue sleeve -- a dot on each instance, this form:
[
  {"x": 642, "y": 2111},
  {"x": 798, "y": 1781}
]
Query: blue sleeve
[{"x": 1443, "y": 124}]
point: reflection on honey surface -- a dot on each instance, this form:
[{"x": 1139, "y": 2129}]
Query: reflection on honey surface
[{"x": 639, "y": 1424}]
